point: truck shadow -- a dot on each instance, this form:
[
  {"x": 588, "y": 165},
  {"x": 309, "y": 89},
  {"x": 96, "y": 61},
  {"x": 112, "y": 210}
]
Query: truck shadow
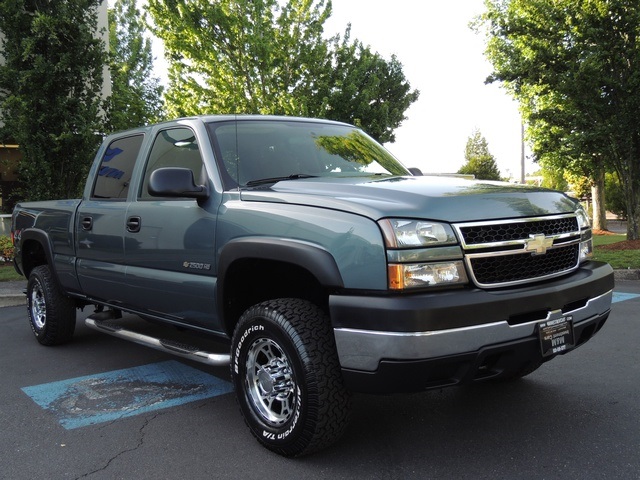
[{"x": 494, "y": 423}]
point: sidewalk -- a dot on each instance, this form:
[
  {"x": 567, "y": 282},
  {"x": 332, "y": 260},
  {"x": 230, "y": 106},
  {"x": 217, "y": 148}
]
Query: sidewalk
[{"x": 617, "y": 226}]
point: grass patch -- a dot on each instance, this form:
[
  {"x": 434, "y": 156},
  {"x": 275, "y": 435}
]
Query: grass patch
[
  {"x": 607, "y": 239},
  {"x": 8, "y": 273},
  {"x": 620, "y": 259},
  {"x": 624, "y": 259}
]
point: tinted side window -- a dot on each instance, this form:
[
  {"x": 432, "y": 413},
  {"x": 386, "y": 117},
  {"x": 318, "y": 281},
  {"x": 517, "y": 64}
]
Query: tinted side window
[
  {"x": 114, "y": 174},
  {"x": 177, "y": 147}
]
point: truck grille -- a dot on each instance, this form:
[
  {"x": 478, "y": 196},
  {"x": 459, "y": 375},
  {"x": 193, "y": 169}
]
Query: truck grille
[
  {"x": 490, "y": 233},
  {"x": 511, "y": 252}
]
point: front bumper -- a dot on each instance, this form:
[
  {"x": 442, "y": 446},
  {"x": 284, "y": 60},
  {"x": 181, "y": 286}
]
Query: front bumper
[{"x": 413, "y": 342}]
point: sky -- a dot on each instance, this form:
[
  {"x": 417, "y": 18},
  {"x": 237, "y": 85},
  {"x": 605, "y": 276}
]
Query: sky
[{"x": 443, "y": 59}]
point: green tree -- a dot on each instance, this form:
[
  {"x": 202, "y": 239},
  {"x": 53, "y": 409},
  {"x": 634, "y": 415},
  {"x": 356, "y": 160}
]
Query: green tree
[
  {"x": 479, "y": 161},
  {"x": 615, "y": 195},
  {"x": 270, "y": 57},
  {"x": 234, "y": 56},
  {"x": 574, "y": 66},
  {"x": 366, "y": 90},
  {"x": 136, "y": 96},
  {"x": 552, "y": 178},
  {"x": 50, "y": 92}
]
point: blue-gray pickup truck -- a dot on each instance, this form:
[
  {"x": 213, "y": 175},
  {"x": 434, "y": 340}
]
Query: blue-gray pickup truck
[{"x": 322, "y": 264}]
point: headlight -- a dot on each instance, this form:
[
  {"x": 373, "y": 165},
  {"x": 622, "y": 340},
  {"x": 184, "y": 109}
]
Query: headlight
[
  {"x": 401, "y": 233},
  {"x": 422, "y": 253},
  {"x": 583, "y": 219}
]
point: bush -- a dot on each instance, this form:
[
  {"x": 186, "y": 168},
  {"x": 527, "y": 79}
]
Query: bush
[{"x": 6, "y": 249}]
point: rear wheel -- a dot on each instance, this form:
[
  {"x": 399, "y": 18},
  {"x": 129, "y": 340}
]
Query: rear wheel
[
  {"x": 287, "y": 377},
  {"x": 52, "y": 315}
]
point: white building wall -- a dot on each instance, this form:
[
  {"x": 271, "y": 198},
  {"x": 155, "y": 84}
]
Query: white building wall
[{"x": 103, "y": 32}]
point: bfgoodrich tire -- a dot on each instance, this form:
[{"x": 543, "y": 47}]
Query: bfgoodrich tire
[
  {"x": 52, "y": 315},
  {"x": 287, "y": 377}
]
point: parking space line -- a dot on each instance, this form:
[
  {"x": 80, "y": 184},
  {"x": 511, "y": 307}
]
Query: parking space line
[
  {"x": 105, "y": 397},
  {"x": 621, "y": 296}
]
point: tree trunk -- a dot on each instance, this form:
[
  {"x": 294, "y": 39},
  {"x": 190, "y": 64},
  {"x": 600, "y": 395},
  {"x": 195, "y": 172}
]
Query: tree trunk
[
  {"x": 630, "y": 176},
  {"x": 633, "y": 215},
  {"x": 597, "y": 197}
]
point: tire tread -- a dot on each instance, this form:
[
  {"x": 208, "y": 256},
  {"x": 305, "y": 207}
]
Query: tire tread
[{"x": 60, "y": 320}]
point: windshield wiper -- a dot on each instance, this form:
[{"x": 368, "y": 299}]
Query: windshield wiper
[{"x": 263, "y": 181}]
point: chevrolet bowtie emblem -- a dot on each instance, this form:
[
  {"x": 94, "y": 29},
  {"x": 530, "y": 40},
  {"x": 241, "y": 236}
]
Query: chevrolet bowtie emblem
[{"x": 538, "y": 244}]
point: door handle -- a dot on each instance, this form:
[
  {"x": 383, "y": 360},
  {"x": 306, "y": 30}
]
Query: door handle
[
  {"x": 87, "y": 223},
  {"x": 133, "y": 224}
]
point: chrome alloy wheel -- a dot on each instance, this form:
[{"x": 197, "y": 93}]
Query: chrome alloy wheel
[
  {"x": 38, "y": 306},
  {"x": 270, "y": 382}
]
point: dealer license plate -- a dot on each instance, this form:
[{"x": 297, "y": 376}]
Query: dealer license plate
[{"x": 556, "y": 336}]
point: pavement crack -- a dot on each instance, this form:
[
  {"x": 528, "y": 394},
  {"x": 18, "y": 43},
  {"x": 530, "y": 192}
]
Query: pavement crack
[{"x": 141, "y": 436}]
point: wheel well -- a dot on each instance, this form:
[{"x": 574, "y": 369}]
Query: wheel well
[
  {"x": 251, "y": 281},
  {"x": 33, "y": 255}
]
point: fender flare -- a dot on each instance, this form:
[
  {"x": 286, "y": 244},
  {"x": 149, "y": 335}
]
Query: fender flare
[
  {"x": 316, "y": 260},
  {"x": 41, "y": 237}
]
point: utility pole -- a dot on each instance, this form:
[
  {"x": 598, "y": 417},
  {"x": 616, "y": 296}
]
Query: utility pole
[{"x": 521, "y": 152}]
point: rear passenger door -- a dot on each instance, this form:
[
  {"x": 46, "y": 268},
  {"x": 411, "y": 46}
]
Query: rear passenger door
[
  {"x": 169, "y": 243},
  {"x": 100, "y": 222}
]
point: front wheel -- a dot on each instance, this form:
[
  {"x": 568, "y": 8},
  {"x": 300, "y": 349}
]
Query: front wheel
[
  {"x": 287, "y": 377},
  {"x": 52, "y": 315}
]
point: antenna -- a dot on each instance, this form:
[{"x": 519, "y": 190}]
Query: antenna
[{"x": 237, "y": 152}]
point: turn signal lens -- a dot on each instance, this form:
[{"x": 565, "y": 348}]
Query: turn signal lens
[
  {"x": 586, "y": 250},
  {"x": 415, "y": 275}
]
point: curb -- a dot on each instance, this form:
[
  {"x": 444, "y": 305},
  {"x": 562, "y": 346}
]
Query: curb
[
  {"x": 13, "y": 300},
  {"x": 629, "y": 274}
]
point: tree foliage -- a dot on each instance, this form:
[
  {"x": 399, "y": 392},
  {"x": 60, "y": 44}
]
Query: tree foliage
[
  {"x": 50, "y": 91},
  {"x": 480, "y": 162},
  {"x": 366, "y": 90},
  {"x": 136, "y": 96},
  {"x": 574, "y": 66},
  {"x": 233, "y": 56},
  {"x": 270, "y": 57},
  {"x": 615, "y": 200}
]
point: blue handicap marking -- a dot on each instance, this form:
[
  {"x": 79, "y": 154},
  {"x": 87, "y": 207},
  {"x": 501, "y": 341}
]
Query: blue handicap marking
[
  {"x": 105, "y": 397},
  {"x": 621, "y": 297}
]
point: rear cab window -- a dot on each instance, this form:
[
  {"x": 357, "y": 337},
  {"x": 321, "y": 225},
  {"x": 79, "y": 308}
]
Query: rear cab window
[{"x": 116, "y": 166}]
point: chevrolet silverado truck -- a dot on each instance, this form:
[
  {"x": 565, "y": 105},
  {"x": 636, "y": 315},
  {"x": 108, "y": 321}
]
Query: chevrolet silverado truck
[{"x": 320, "y": 262}]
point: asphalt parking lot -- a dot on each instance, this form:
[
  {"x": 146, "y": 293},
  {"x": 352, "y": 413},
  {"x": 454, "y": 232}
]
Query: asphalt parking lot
[{"x": 102, "y": 408}]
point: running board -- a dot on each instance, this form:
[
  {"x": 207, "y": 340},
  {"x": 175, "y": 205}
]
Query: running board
[{"x": 168, "y": 346}]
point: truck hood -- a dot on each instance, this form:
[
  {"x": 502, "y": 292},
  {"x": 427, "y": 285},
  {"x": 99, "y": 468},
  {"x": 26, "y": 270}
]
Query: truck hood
[{"x": 447, "y": 199}]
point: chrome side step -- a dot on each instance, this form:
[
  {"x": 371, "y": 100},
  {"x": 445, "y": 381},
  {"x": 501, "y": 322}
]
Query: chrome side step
[{"x": 167, "y": 346}]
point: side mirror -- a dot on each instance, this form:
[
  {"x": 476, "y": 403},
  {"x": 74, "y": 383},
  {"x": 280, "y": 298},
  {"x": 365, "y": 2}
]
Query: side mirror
[
  {"x": 176, "y": 182},
  {"x": 416, "y": 172}
]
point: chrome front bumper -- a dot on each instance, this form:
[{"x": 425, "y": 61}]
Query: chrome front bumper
[{"x": 362, "y": 350}]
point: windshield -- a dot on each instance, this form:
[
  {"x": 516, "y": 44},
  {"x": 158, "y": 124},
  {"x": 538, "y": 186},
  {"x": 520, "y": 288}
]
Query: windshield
[{"x": 253, "y": 151}]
